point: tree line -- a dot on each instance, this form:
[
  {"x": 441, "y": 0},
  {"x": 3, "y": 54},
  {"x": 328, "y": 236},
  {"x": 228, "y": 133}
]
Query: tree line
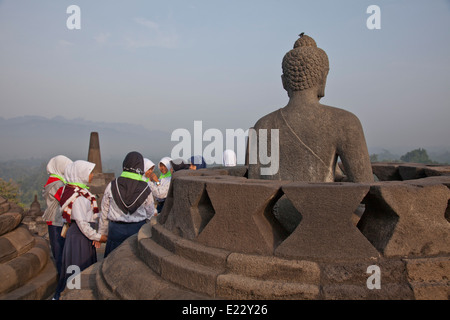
[{"x": 419, "y": 155}]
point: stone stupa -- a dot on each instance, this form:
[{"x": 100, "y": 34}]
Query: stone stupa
[
  {"x": 222, "y": 234},
  {"x": 27, "y": 271},
  {"x": 33, "y": 219},
  {"x": 100, "y": 179}
]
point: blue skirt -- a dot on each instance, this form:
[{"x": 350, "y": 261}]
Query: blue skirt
[
  {"x": 78, "y": 251},
  {"x": 56, "y": 244},
  {"x": 118, "y": 232}
]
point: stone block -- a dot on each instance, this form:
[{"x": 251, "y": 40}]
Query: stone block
[
  {"x": 207, "y": 256},
  {"x": 164, "y": 237},
  {"x": 167, "y": 214},
  {"x": 411, "y": 171},
  {"x": 191, "y": 209},
  {"x": 4, "y": 207},
  {"x": 344, "y": 292},
  {"x": 326, "y": 231},
  {"x": 152, "y": 254},
  {"x": 390, "y": 291},
  {"x": 347, "y": 273},
  {"x": 15, "y": 243},
  {"x": 431, "y": 292},
  {"x": 123, "y": 275},
  {"x": 386, "y": 171},
  {"x": 18, "y": 271},
  {"x": 429, "y": 270},
  {"x": 432, "y": 180},
  {"x": 7, "y": 250},
  {"x": 437, "y": 170},
  {"x": 273, "y": 268},
  {"x": 350, "y": 280},
  {"x": 9, "y": 221},
  {"x": 243, "y": 219},
  {"x": 429, "y": 277},
  {"x": 403, "y": 219},
  {"x": 9, "y": 278},
  {"x": 128, "y": 277},
  {"x": 40, "y": 287},
  {"x": 237, "y": 171},
  {"x": 189, "y": 275},
  {"x": 231, "y": 286}
]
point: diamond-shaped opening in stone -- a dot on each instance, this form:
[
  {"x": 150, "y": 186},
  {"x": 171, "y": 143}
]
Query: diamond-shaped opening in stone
[
  {"x": 280, "y": 232},
  {"x": 205, "y": 210},
  {"x": 378, "y": 221},
  {"x": 358, "y": 213},
  {"x": 286, "y": 214}
]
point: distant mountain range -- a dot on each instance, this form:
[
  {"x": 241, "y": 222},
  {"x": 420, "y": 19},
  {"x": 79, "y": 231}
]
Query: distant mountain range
[{"x": 39, "y": 137}]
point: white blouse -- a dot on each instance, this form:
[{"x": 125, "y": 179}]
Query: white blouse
[
  {"x": 82, "y": 214},
  {"x": 110, "y": 211},
  {"x": 160, "y": 192}
]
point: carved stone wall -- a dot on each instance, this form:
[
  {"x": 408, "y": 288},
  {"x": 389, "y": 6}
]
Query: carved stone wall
[
  {"x": 26, "y": 268},
  {"x": 218, "y": 237}
]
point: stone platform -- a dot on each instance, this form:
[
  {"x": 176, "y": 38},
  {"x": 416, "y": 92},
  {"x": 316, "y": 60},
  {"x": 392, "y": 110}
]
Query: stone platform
[
  {"x": 217, "y": 238},
  {"x": 27, "y": 271}
]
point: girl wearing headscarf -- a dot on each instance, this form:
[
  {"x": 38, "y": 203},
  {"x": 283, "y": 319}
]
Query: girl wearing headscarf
[
  {"x": 80, "y": 210},
  {"x": 52, "y": 215},
  {"x": 148, "y": 169},
  {"x": 160, "y": 186},
  {"x": 127, "y": 203},
  {"x": 229, "y": 158}
]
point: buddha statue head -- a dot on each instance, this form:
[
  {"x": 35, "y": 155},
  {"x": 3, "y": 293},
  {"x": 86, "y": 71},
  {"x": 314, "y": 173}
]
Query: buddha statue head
[{"x": 305, "y": 67}]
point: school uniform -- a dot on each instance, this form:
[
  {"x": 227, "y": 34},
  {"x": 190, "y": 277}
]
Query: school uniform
[
  {"x": 127, "y": 203},
  {"x": 80, "y": 210},
  {"x": 160, "y": 189},
  {"x": 51, "y": 193},
  {"x": 148, "y": 164}
]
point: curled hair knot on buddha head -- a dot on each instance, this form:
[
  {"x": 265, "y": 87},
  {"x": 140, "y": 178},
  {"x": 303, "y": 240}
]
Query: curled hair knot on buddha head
[{"x": 305, "y": 66}]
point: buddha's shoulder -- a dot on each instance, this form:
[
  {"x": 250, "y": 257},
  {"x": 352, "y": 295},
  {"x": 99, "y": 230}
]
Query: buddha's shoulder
[
  {"x": 340, "y": 114},
  {"x": 268, "y": 121}
]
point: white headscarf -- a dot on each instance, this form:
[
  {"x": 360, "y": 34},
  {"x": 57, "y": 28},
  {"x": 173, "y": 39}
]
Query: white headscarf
[
  {"x": 148, "y": 164},
  {"x": 57, "y": 165},
  {"x": 79, "y": 171},
  {"x": 166, "y": 161},
  {"x": 229, "y": 158}
]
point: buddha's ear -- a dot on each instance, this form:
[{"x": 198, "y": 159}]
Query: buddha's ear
[
  {"x": 322, "y": 84},
  {"x": 283, "y": 80}
]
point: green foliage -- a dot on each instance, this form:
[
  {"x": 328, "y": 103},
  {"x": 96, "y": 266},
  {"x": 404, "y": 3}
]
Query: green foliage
[
  {"x": 9, "y": 190},
  {"x": 29, "y": 176},
  {"x": 418, "y": 156}
]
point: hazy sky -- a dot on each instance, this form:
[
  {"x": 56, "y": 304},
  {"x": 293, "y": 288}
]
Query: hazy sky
[{"x": 164, "y": 64}]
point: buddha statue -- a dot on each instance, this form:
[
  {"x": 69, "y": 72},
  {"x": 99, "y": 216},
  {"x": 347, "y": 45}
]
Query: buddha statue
[{"x": 312, "y": 136}]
